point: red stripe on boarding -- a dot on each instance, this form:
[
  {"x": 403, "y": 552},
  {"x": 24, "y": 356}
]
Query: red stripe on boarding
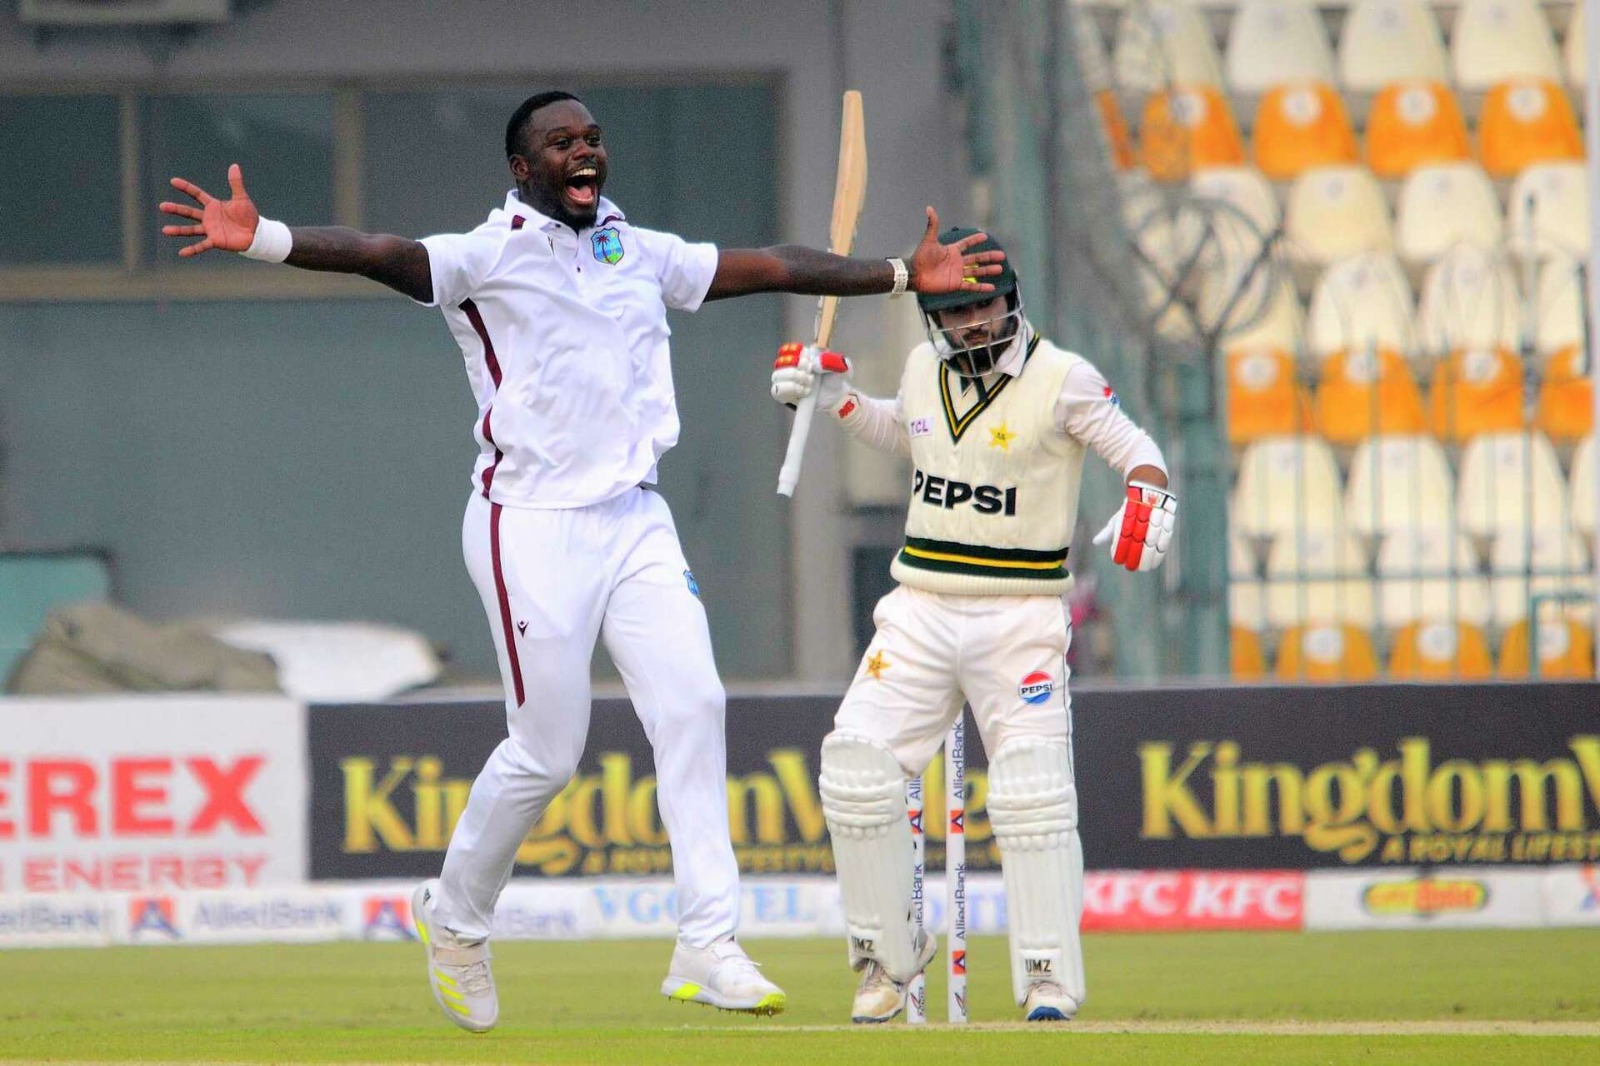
[{"x": 505, "y": 602}]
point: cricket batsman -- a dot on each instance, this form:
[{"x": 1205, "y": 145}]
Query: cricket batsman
[{"x": 996, "y": 420}]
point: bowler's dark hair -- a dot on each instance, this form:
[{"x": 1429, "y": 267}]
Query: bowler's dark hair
[{"x": 519, "y": 117}]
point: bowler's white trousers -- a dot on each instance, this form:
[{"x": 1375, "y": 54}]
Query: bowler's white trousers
[{"x": 552, "y": 582}]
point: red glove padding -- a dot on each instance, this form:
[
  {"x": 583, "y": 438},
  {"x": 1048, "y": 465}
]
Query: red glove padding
[
  {"x": 827, "y": 362},
  {"x": 802, "y": 368},
  {"x": 1140, "y": 533}
]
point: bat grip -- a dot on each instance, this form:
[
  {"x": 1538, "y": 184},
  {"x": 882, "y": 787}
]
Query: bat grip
[{"x": 789, "y": 474}]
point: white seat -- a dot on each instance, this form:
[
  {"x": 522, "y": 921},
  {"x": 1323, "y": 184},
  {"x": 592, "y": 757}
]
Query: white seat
[
  {"x": 1276, "y": 41},
  {"x": 1538, "y": 562},
  {"x": 1493, "y": 40},
  {"x": 1361, "y": 301},
  {"x": 1334, "y": 212},
  {"x": 1548, "y": 215},
  {"x": 1469, "y": 300},
  {"x": 1247, "y": 595},
  {"x": 1387, "y": 40},
  {"x": 1510, "y": 481},
  {"x": 1314, "y": 577},
  {"x": 1273, "y": 319},
  {"x": 1584, "y": 488},
  {"x": 1577, "y": 49},
  {"x": 1398, "y": 483},
  {"x": 1427, "y": 575},
  {"x": 1165, "y": 42},
  {"x": 1444, "y": 205},
  {"x": 1558, "y": 308},
  {"x": 1285, "y": 484},
  {"x": 1243, "y": 189}
]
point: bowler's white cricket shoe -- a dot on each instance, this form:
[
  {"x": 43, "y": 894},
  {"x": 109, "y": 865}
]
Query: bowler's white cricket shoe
[
  {"x": 722, "y": 976},
  {"x": 1048, "y": 1002},
  {"x": 457, "y": 970},
  {"x": 880, "y": 997}
]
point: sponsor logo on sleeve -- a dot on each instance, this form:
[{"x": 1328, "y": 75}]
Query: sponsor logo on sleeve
[{"x": 920, "y": 427}]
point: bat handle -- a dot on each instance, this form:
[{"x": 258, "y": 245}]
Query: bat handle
[{"x": 789, "y": 475}]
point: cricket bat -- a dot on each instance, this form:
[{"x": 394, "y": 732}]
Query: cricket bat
[{"x": 849, "y": 193}]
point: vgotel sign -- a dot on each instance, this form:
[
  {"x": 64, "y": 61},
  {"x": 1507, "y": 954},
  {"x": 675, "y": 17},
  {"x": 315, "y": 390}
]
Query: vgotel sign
[{"x": 1404, "y": 806}]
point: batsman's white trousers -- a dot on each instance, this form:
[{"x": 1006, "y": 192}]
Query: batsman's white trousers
[
  {"x": 1006, "y": 655},
  {"x": 552, "y": 581}
]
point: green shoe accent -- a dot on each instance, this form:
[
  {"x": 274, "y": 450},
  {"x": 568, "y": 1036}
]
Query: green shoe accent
[
  {"x": 688, "y": 991},
  {"x": 772, "y": 1004}
]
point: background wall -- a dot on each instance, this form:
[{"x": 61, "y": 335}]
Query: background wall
[{"x": 309, "y": 458}]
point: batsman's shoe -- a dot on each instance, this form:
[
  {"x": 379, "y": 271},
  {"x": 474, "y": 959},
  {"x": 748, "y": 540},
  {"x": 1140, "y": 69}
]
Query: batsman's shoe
[
  {"x": 1048, "y": 1002},
  {"x": 880, "y": 997},
  {"x": 458, "y": 971},
  {"x": 721, "y": 976}
]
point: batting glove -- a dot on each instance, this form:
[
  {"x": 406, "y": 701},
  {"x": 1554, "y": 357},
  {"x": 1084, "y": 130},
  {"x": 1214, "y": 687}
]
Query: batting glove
[
  {"x": 1140, "y": 533},
  {"x": 801, "y": 368}
]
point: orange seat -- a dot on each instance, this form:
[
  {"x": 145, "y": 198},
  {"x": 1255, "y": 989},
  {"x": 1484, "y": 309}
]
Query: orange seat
[
  {"x": 1566, "y": 398},
  {"x": 1115, "y": 128},
  {"x": 1365, "y": 393},
  {"x": 1326, "y": 653},
  {"x": 1527, "y": 121},
  {"x": 1246, "y": 660},
  {"x": 1299, "y": 126},
  {"x": 1566, "y": 649},
  {"x": 1187, "y": 128},
  {"x": 1264, "y": 399},
  {"x": 1413, "y": 124},
  {"x": 1438, "y": 650},
  {"x": 1476, "y": 391}
]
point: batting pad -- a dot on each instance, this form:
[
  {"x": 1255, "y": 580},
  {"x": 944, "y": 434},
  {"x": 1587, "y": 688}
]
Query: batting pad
[
  {"x": 864, "y": 801},
  {"x": 1033, "y": 810}
]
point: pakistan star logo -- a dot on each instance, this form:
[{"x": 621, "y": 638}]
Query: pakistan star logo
[
  {"x": 877, "y": 665},
  {"x": 607, "y": 244},
  {"x": 1001, "y": 437}
]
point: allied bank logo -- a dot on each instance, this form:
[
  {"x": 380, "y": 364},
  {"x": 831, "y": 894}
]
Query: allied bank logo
[
  {"x": 1591, "y": 880},
  {"x": 958, "y": 963},
  {"x": 607, "y": 244},
  {"x": 916, "y": 820},
  {"x": 1036, "y": 687},
  {"x": 694, "y": 586},
  {"x": 386, "y": 918},
  {"x": 152, "y": 916}
]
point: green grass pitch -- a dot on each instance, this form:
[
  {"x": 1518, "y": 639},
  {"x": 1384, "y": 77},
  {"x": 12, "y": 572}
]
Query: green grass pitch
[{"x": 1420, "y": 997}]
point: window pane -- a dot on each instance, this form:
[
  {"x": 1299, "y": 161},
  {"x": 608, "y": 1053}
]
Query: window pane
[
  {"x": 283, "y": 142},
  {"x": 60, "y": 188}
]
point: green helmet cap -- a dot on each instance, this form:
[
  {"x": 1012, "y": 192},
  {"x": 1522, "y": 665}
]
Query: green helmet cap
[{"x": 1004, "y": 282}]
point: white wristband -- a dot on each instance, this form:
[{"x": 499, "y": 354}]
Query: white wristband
[
  {"x": 272, "y": 242},
  {"x": 902, "y": 277}
]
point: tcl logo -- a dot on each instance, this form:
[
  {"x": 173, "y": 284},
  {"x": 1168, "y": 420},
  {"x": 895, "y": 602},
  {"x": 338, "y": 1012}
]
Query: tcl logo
[
  {"x": 127, "y": 797},
  {"x": 1193, "y": 900}
]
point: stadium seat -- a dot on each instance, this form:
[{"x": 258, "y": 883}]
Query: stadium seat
[
  {"x": 1285, "y": 484},
  {"x": 1413, "y": 124},
  {"x": 1162, "y": 43},
  {"x": 1548, "y": 214},
  {"x": 1527, "y": 121},
  {"x": 1558, "y": 308},
  {"x": 1246, "y": 660},
  {"x": 1264, "y": 399},
  {"x": 1365, "y": 392},
  {"x": 1274, "y": 320},
  {"x": 1276, "y": 41},
  {"x": 1245, "y": 191},
  {"x": 1476, "y": 390},
  {"x": 1437, "y": 651},
  {"x": 1247, "y": 594},
  {"x": 1385, "y": 40},
  {"x": 1362, "y": 300},
  {"x": 1188, "y": 128},
  {"x": 1576, "y": 60},
  {"x": 1114, "y": 128},
  {"x": 1334, "y": 212},
  {"x": 1493, "y": 40},
  {"x": 1427, "y": 573},
  {"x": 1584, "y": 487},
  {"x": 1510, "y": 481},
  {"x": 1299, "y": 126},
  {"x": 1469, "y": 300},
  {"x": 1316, "y": 576},
  {"x": 1566, "y": 649},
  {"x": 1325, "y": 653},
  {"x": 1566, "y": 398},
  {"x": 1398, "y": 483},
  {"x": 1443, "y": 205}
]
